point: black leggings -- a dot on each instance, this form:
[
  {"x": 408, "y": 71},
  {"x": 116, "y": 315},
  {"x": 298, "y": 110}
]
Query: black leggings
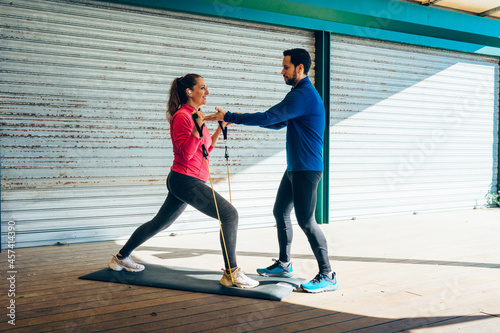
[
  {"x": 184, "y": 190},
  {"x": 298, "y": 190}
]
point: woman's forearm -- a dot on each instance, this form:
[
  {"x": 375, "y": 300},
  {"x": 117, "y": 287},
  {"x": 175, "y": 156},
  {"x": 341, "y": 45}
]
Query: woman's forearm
[{"x": 216, "y": 135}]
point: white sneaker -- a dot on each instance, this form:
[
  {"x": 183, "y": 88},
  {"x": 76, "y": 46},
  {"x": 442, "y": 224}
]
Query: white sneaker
[
  {"x": 126, "y": 263},
  {"x": 239, "y": 278}
]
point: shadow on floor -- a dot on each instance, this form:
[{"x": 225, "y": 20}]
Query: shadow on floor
[{"x": 177, "y": 253}]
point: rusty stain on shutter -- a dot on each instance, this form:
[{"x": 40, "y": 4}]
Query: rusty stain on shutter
[{"x": 85, "y": 145}]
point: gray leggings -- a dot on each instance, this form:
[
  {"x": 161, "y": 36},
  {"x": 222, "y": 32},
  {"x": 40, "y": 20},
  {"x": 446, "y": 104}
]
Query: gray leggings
[
  {"x": 298, "y": 190},
  {"x": 184, "y": 190}
]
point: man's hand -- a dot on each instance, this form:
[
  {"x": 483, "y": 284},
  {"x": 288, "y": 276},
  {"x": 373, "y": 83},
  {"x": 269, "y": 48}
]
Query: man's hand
[{"x": 219, "y": 116}]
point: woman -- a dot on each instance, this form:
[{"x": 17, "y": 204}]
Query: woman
[{"x": 186, "y": 182}]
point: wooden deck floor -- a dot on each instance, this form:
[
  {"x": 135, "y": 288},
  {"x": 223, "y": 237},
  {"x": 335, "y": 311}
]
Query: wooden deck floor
[{"x": 435, "y": 272}]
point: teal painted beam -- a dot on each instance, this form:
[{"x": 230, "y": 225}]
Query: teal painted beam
[
  {"x": 384, "y": 11},
  {"x": 389, "y": 15},
  {"x": 388, "y": 20}
]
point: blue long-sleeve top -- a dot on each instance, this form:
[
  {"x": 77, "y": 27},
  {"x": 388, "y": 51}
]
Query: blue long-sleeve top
[{"x": 303, "y": 113}]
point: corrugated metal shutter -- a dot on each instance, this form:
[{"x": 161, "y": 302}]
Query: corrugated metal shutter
[
  {"x": 85, "y": 145},
  {"x": 412, "y": 129}
]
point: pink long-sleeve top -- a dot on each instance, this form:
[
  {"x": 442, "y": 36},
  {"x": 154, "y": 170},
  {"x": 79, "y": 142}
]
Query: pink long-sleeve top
[{"x": 188, "y": 156}]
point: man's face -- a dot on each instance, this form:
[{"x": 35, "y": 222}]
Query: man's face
[{"x": 289, "y": 71}]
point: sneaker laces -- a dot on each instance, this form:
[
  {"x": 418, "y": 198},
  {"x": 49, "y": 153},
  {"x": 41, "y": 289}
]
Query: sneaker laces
[
  {"x": 318, "y": 278},
  {"x": 277, "y": 263},
  {"x": 238, "y": 274},
  {"x": 127, "y": 261}
]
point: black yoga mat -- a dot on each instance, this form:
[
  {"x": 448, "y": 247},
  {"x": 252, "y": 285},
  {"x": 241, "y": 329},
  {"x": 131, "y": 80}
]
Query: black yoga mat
[{"x": 198, "y": 280}]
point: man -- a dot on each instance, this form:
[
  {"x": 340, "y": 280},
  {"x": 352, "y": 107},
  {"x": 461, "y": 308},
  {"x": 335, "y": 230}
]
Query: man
[{"x": 302, "y": 112}]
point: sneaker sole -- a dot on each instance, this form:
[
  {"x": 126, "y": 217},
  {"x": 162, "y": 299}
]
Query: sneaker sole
[
  {"x": 117, "y": 268},
  {"x": 275, "y": 274},
  {"x": 330, "y": 288},
  {"x": 229, "y": 284},
  {"x": 245, "y": 286},
  {"x": 133, "y": 270}
]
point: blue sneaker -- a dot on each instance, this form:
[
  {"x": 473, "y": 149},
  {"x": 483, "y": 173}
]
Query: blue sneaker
[
  {"x": 320, "y": 283},
  {"x": 277, "y": 269}
]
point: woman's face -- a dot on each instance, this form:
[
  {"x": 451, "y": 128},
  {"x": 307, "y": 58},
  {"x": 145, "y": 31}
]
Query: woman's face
[{"x": 198, "y": 95}]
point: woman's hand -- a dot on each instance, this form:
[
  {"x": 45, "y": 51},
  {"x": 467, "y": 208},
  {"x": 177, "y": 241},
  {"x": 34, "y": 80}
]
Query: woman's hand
[
  {"x": 199, "y": 118},
  {"x": 219, "y": 116}
]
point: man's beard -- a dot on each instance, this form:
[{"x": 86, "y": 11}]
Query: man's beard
[{"x": 293, "y": 80}]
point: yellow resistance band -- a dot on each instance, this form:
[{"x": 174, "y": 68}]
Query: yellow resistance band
[
  {"x": 220, "y": 224},
  {"x": 229, "y": 182}
]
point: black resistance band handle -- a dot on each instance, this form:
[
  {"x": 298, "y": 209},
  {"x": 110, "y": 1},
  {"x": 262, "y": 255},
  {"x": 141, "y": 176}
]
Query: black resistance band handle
[
  {"x": 200, "y": 131},
  {"x": 224, "y": 130}
]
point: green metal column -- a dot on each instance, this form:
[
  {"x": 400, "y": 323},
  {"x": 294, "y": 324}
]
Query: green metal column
[{"x": 322, "y": 84}]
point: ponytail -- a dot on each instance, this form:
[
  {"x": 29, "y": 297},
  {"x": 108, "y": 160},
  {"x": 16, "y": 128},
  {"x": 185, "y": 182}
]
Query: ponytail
[
  {"x": 174, "y": 101},
  {"x": 177, "y": 95}
]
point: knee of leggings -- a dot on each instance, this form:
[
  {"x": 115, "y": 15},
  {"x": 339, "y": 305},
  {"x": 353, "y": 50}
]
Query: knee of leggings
[
  {"x": 276, "y": 213},
  {"x": 279, "y": 214},
  {"x": 308, "y": 227},
  {"x": 230, "y": 214}
]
